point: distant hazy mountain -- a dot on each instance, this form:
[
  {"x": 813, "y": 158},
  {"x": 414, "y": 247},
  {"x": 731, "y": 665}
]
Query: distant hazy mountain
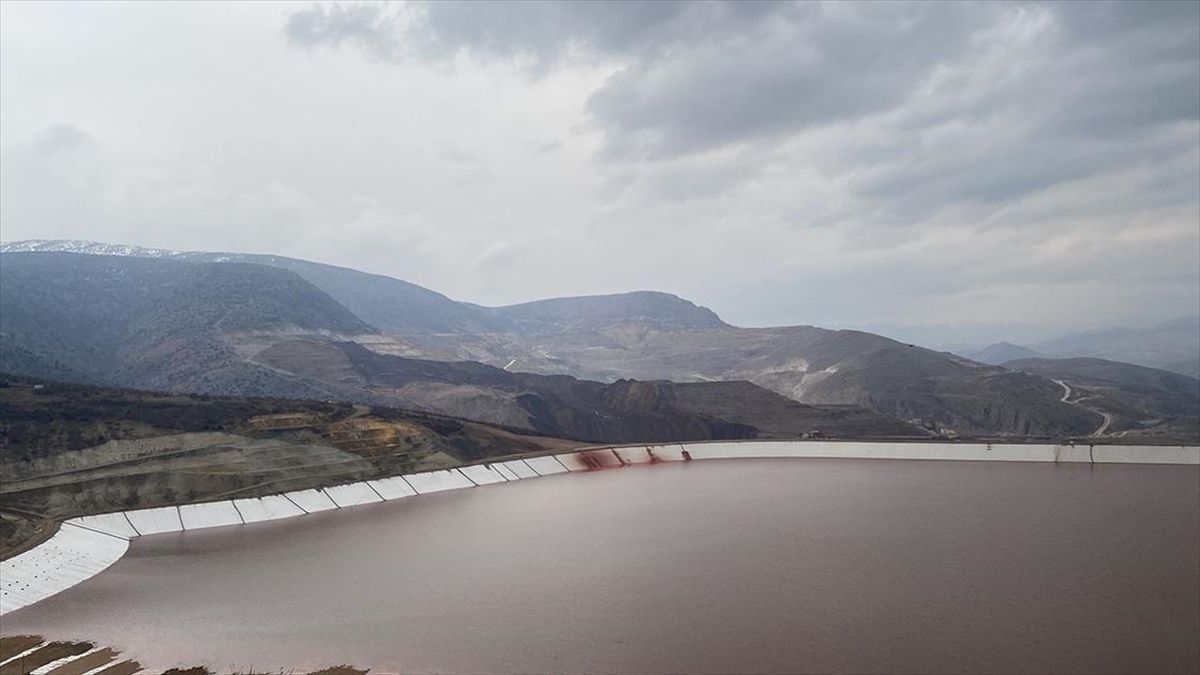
[
  {"x": 1137, "y": 399},
  {"x": 643, "y": 336},
  {"x": 392, "y": 305},
  {"x": 999, "y": 353},
  {"x": 587, "y": 314},
  {"x": 154, "y": 323},
  {"x": 1174, "y": 345}
]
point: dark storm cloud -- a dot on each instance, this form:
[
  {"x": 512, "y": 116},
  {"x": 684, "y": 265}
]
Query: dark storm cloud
[
  {"x": 807, "y": 66},
  {"x": 971, "y": 101},
  {"x": 1098, "y": 88}
]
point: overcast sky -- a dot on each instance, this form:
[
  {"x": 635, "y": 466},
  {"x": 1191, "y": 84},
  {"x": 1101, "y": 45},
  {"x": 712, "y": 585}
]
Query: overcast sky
[{"x": 942, "y": 173}]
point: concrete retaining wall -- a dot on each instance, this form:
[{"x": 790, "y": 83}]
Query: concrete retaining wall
[{"x": 87, "y": 545}]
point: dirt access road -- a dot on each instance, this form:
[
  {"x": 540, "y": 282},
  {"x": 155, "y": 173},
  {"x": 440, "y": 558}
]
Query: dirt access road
[{"x": 1107, "y": 417}]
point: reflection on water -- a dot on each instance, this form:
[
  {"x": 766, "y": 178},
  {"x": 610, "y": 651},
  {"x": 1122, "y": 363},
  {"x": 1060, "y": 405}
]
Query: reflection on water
[{"x": 721, "y": 566}]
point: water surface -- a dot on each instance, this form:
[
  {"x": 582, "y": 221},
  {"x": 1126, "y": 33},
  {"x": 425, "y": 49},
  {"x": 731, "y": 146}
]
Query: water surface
[{"x": 719, "y": 566}]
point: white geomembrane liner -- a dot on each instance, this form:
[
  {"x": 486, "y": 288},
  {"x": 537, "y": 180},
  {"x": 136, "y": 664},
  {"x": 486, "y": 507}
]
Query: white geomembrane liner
[
  {"x": 590, "y": 460},
  {"x": 112, "y": 523},
  {"x": 155, "y": 521},
  {"x": 311, "y": 500},
  {"x": 546, "y": 466},
  {"x": 935, "y": 451},
  {"x": 437, "y": 481},
  {"x": 392, "y": 488},
  {"x": 635, "y": 455},
  {"x": 72, "y": 555},
  {"x": 520, "y": 468},
  {"x": 266, "y": 508},
  {"x": 352, "y": 494},
  {"x": 1078, "y": 453},
  {"x": 1129, "y": 454},
  {"x": 212, "y": 514},
  {"x": 573, "y": 462},
  {"x": 506, "y": 471},
  {"x": 482, "y": 475}
]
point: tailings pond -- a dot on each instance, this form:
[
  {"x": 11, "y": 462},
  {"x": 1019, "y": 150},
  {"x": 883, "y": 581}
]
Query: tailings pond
[{"x": 718, "y": 566}]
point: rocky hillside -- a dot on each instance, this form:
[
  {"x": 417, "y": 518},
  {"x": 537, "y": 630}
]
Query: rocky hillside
[
  {"x": 1136, "y": 401},
  {"x": 806, "y": 364},
  {"x": 619, "y": 412}
]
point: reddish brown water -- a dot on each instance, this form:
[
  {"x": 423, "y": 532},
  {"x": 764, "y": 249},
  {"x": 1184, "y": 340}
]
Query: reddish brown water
[{"x": 720, "y": 566}]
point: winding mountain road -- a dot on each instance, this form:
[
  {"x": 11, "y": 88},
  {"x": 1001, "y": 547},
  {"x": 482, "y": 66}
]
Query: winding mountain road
[{"x": 1107, "y": 417}]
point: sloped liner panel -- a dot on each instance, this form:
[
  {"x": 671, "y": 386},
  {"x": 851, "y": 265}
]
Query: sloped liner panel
[
  {"x": 438, "y": 481},
  {"x": 481, "y": 474},
  {"x": 110, "y": 523},
  {"x": 505, "y": 471},
  {"x": 263, "y": 509},
  {"x": 72, "y": 555},
  {"x": 545, "y": 466},
  {"x": 352, "y": 494},
  {"x": 155, "y": 521},
  {"x": 311, "y": 500},
  {"x": 392, "y": 488},
  {"x": 519, "y": 468},
  {"x": 214, "y": 514},
  {"x": 1128, "y": 454}
]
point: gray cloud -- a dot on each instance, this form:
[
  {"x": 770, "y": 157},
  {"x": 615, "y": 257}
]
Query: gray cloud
[
  {"x": 368, "y": 26},
  {"x": 60, "y": 138}
]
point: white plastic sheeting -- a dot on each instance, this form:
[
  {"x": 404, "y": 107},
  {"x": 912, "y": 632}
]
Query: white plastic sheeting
[
  {"x": 352, "y": 494},
  {"x": 546, "y": 466},
  {"x": 936, "y": 451},
  {"x": 437, "y": 481},
  {"x": 213, "y": 514},
  {"x": 505, "y": 471},
  {"x": 311, "y": 500},
  {"x": 590, "y": 460},
  {"x": 72, "y": 555},
  {"x": 112, "y": 523},
  {"x": 482, "y": 474},
  {"x": 519, "y": 468},
  {"x": 155, "y": 521},
  {"x": 1132, "y": 454},
  {"x": 392, "y": 488},
  {"x": 266, "y": 508},
  {"x": 1073, "y": 453}
]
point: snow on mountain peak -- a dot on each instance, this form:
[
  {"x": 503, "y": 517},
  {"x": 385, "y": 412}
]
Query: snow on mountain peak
[{"x": 81, "y": 246}]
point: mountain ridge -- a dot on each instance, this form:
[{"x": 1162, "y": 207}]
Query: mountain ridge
[{"x": 641, "y": 336}]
